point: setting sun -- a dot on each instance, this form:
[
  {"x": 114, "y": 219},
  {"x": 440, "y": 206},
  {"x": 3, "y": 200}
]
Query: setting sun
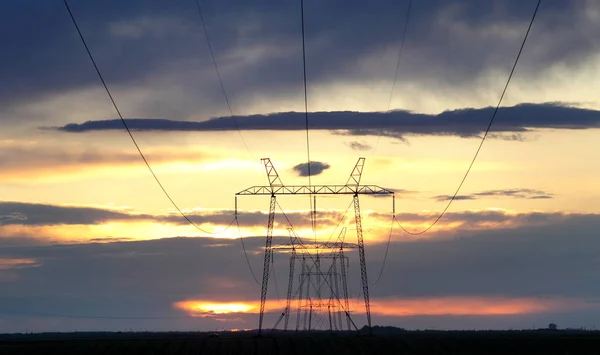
[{"x": 200, "y": 308}]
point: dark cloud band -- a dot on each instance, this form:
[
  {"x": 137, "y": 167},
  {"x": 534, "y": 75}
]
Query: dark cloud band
[{"x": 469, "y": 122}]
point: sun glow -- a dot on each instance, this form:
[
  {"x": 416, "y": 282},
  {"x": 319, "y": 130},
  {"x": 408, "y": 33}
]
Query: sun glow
[
  {"x": 401, "y": 307},
  {"x": 199, "y": 308},
  {"x": 202, "y": 308}
]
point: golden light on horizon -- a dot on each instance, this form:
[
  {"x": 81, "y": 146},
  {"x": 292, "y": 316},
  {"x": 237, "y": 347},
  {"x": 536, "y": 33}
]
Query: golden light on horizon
[
  {"x": 200, "y": 308},
  {"x": 401, "y": 307},
  {"x": 490, "y": 306}
]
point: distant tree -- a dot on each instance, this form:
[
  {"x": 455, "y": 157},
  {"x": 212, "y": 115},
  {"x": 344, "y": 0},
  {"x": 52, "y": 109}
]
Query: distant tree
[{"x": 552, "y": 326}]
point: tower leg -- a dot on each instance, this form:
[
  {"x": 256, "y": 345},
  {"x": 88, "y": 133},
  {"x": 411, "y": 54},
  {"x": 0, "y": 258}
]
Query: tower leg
[
  {"x": 330, "y": 320},
  {"x": 310, "y": 317},
  {"x": 288, "y": 302},
  {"x": 336, "y": 282},
  {"x": 363, "y": 263},
  {"x": 265, "y": 278},
  {"x": 345, "y": 288},
  {"x": 300, "y": 293},
  {"x": 308, "y": 300}
]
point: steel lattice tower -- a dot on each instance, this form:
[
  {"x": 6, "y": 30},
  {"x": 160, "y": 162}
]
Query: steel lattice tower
[
  {"x": 333, "y": 278},
  {"x": 276, "y": 187}
]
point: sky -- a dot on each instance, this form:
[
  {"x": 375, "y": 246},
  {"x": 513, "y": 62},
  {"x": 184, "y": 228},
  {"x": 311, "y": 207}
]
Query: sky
[{"x": 89, "y": 241}]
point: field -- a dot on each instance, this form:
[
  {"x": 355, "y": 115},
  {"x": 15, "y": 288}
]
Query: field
[{"x": 405, "y": 342}]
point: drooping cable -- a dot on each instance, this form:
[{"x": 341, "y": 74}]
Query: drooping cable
[
  {"x": 129, "y": 131},
  {"x": 312, "y": 214},
  {"x": 212, "y": 55},
  {"x": 274, "y": 276},
  {"x": 486, "y": 131},
  {"x": 385, "y": 117},
  {"x": 305, "y": 93},
  {"x": 340, "y": 222},
  {"x": 387, "y": 249},
  {"x": 245, "y": 252}
]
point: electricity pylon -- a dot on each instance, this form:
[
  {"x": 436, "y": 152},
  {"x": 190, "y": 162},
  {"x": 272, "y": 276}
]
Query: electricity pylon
[
  {"x": 352, "y": 187},
  {"x": 310, "y": 275}
]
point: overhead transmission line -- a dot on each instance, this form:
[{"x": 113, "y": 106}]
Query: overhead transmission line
[
  {"x": 129, "y": 131},
  {"x": 474, "y": 157},
  {"x": 387, "y": 249},
  {"x": 237, "y": 127},
  {"x": 487, "y": 130},
  {"x": 383, "y": 124},
  {"x": 212, "y": 55},
  {"x": 245, "y": 252},
  {"x": 310, "y": 197},
  {"x": 387, "y": 112},
  {"x": 305, "y": 91}
]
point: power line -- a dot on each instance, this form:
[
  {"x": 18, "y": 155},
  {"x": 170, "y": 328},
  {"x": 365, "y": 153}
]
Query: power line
[
  {"x": 305, "y": 92},
  {"x": 313, "y": 217},
  {"x": 245, "y": 252},
  {"x": 385, "y": 117},
  {"x": 212, "y": 55},
  {"x": 129, "y": 131},
  {"x": 486, "y": 131},
  {"x": 340, "y": 221},
  {"x": 387, "y": 249}
]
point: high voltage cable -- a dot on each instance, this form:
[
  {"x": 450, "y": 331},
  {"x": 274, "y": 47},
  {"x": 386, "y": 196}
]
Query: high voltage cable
[
  {"x": 387, "y": 248},
  {"x": 129, "y": 131},
  {"x": 486, "y": 131},
  {"x": 340, "y": 222},
  {"x": 313, "y": 217},
  {"x": 212, "y": 55},
  {"x": 245, "y": 253},
  {"x": 395, "y": 77},
  {"x": 305, "y": 93}
]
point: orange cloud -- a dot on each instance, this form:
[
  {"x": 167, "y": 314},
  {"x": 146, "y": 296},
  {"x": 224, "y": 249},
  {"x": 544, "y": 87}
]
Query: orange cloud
[
  {"x": 400, "y": 307},
  {"x": 491, "y": 306},
  {"x": 17, "y": 263},
  {"x": 36, "y": 161},
  {"x": 7, "y": 265}
]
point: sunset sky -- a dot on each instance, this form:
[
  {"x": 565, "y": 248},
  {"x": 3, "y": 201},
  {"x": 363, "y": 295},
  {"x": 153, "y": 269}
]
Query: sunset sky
[{"x": 88, "y": 241}]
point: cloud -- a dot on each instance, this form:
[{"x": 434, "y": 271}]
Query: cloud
[
  {"x": 31, "y": 219},
  {"x": 514, "y": 276},
  {"x": 457, "y": 198},
  {"x": 46, "y": 214},
  {"x": 12, "y": 217},
  {"x": 398, "y": 307},
  {"x": 398, "y": 193},
  {"x": 40, "y": 215},
  {"x": 464, "y": 123},
  {"x": 316, "y": 168},
  {"x": 356, "y": 145},
  {"x": 32, "y": 159},
  {"x": 164, "y": 67},
  {"x": 530, "y": 194}
]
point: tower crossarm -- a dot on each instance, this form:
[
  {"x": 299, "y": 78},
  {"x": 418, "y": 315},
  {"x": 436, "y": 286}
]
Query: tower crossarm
[
  {"x": 316, "y": 190},
  {"x": 272, "y": 175},
  {"x": 320, "y": 246},
  {"x": 356, "y": 174}
]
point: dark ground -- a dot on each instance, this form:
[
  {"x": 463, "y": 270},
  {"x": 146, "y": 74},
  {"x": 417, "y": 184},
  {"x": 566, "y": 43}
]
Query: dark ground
[{"x": 405, "y": 342}]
